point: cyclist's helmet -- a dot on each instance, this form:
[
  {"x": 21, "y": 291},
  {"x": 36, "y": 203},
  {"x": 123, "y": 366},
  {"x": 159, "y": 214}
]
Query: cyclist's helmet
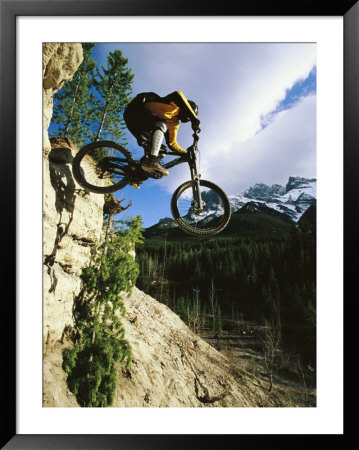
[{"x": 184, "y": 117}]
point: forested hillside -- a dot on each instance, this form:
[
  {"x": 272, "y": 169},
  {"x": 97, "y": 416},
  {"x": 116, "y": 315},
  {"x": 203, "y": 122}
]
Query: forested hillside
[{"x": 253, "y": 278}]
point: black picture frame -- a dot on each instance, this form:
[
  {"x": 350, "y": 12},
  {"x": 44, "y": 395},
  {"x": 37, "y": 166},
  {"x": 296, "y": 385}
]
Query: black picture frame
[{"x": 10, "y": 9}]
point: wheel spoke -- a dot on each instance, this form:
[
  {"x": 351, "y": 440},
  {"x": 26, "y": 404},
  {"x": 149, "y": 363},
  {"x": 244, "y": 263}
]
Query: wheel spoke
[
  {"x": 102, "y": 167},
  {"x": 211, "y": 218}
]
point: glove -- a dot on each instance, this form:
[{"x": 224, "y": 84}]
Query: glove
[{"x": 195, "y": 125}]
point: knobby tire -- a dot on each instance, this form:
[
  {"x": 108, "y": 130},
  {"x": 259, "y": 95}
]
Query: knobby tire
[
  {"x": 79, "y": 172},
  {"x": 192, "y": 228}
]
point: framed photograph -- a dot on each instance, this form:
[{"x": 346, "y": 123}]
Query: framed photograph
[{"x": 224, "y": 57}]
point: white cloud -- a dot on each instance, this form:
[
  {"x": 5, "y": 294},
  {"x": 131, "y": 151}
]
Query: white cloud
[
  {"x": 255, "y": 84},
  {"x": 286, "y": 147}
]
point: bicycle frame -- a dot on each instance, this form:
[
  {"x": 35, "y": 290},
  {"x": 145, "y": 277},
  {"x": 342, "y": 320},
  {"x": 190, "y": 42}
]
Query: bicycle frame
[{"x": 102, "y": 159}]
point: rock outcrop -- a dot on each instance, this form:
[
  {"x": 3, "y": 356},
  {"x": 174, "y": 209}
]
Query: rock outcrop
[
  {"x": 172, "y": 367},
  {"x": 59, "y": 63},
  {"x": 72, "y": 217}
]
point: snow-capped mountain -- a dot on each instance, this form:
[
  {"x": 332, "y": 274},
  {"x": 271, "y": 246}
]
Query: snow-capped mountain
[
  {"x": 293, "y": 199},
  {"x": 287, "y": 202}
]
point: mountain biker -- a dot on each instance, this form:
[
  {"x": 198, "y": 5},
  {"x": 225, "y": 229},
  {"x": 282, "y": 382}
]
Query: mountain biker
[{"x": 150, "y": 118}]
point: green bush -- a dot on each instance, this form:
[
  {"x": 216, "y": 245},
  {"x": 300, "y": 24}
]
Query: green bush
[{"x": 99, "y": 340}]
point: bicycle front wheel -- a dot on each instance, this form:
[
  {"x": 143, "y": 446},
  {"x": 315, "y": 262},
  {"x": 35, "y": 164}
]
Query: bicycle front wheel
[
  {"x": 208, "y": 220},
  {"x": 102, "y": 167}
]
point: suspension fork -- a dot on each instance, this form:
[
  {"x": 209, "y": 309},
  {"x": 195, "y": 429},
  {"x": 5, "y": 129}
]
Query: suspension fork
[{"x": 195, "y": 176}]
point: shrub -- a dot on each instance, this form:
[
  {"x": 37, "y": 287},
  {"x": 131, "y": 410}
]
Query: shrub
[{"x": 99, "y": 341}]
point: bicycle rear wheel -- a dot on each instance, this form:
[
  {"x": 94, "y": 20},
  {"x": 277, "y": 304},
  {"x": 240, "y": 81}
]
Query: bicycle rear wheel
[
  {"x": 211, "y": 219},
  {"x": 102, "y": 167}
]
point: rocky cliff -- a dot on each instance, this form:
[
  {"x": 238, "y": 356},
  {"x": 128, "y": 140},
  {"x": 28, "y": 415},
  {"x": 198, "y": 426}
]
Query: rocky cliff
[{"x": 171, "y": 365}]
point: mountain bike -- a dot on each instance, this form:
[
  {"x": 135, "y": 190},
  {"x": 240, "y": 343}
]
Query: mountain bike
[{"x": 199, "y": 207}]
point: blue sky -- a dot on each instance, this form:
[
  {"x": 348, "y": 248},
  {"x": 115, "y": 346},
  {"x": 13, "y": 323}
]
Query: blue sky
[{"x": 257, "y": 106}]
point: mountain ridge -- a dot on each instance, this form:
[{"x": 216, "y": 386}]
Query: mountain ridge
[
  {"x": 293, "y": 199},
  {"x": 286, "y": 203}
]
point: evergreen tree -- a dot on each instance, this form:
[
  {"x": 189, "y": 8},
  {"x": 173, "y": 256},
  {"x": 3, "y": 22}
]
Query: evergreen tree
[
  {"x": 99, "y": 341},
  {"x": 218, "y": 322},
  {"x": 270, "y": 277},
  {"x": 113, "y": 87}
]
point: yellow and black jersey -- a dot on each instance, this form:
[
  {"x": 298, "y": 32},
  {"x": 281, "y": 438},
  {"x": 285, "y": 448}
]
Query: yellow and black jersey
[{"x": 169, "y": 108}]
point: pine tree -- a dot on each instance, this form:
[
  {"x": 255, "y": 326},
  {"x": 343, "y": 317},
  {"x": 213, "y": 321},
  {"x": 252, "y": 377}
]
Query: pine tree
[
  {"x": 99, "y": 342},
  {"x": 218, "y": 322},
  {"x": 113, "y": 87}
]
